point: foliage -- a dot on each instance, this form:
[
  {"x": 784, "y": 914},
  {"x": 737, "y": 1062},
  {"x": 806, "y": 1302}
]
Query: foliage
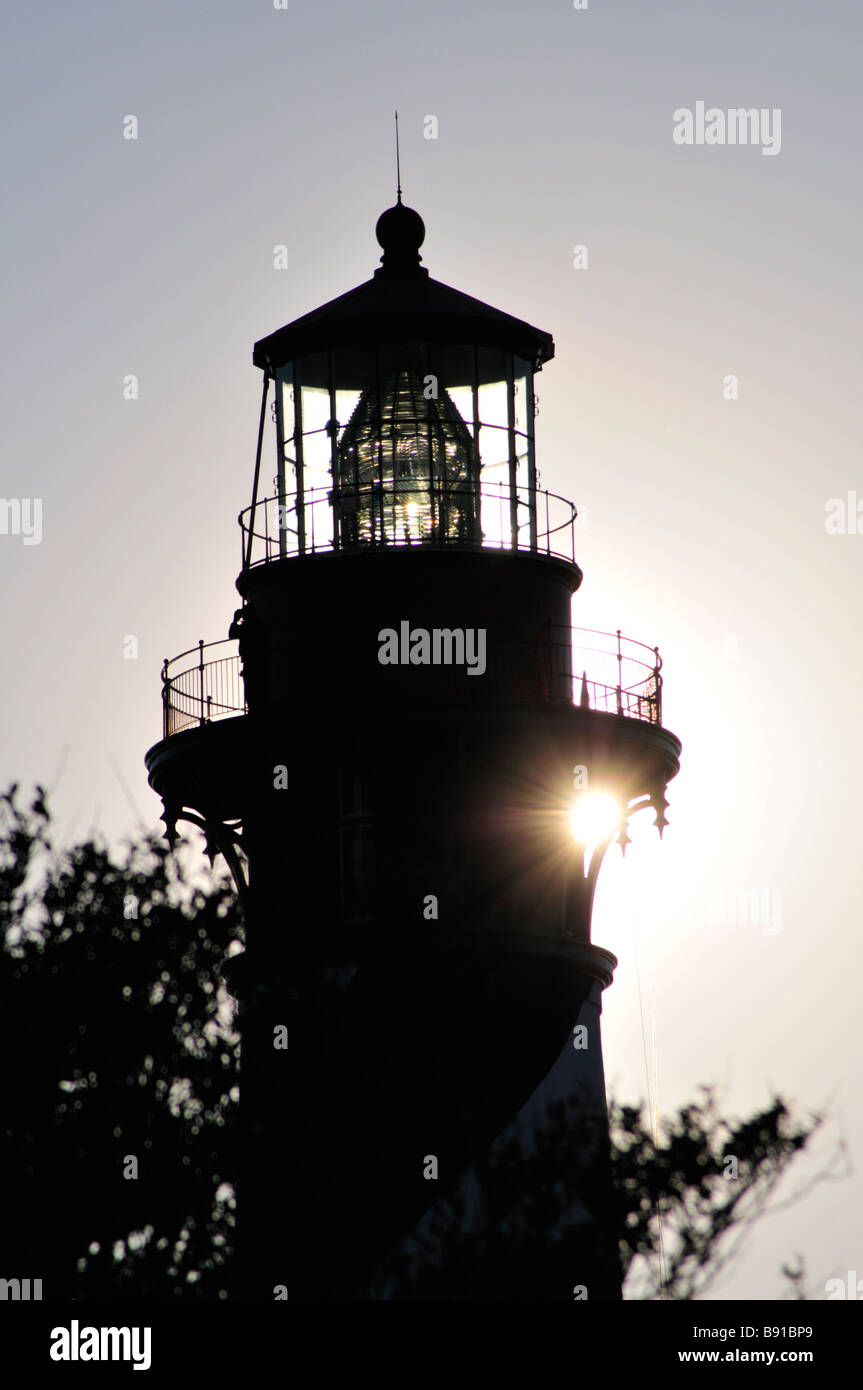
[
  {"x": 687, "y": 1202},
  {"x": 121, "y": 1044},
  {"x": 681, "y": 1205},
  {"x": 120, "y": 1040}
]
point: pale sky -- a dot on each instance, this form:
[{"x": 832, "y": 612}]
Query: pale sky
[{"x": 705, "y": 515}]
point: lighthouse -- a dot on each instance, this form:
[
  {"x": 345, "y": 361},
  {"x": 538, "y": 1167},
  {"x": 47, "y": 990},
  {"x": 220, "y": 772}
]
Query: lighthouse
[{"x": 391, "y": 748}]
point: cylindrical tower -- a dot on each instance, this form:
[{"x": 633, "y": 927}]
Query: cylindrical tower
[{"x": 387, "y": 751}]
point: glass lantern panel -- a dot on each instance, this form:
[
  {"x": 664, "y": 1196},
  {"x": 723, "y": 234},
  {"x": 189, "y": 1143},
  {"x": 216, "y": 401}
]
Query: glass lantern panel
[
  {"x": 405, "y": 444},
  {"x": 494, "y": 460},
  {"x": 462, "y": 399},
  {"x": 523, "y": 445},
  {"x": 280, "y": 521}
]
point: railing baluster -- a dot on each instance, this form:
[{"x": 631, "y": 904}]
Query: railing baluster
[
  {"x": 166, "y": 700},
  {"x": 201, "y": 676}
]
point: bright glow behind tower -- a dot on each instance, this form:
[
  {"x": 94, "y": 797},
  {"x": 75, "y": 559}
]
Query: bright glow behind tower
[{"x": 594, "y": 816}]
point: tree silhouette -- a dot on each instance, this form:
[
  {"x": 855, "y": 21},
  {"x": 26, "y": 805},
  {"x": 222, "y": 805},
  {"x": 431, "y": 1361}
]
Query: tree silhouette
[
  {"x": 681, "y": 1205},
  {"x": 121, "y": 1095},
  {"x": 120, "y": 1053}
]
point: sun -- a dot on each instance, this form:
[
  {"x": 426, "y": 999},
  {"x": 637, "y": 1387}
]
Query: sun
[{"x": 594, "y": 816}]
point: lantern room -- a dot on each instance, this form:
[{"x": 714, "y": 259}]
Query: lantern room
[{"x": 404, "y": 416}]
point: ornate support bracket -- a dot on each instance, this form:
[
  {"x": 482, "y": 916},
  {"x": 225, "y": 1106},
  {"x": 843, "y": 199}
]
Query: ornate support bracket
[
  {"x": 582, "y": 886},
  {"x": 222, "y": 837}
]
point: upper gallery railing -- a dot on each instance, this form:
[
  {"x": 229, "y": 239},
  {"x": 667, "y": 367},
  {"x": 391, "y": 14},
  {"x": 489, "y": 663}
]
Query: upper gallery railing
[{"x": 409, "y": 512}]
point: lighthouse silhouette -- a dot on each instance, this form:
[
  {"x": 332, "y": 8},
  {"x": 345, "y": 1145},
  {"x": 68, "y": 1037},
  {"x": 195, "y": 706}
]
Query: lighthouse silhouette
[{"x": 388, "y": 749}]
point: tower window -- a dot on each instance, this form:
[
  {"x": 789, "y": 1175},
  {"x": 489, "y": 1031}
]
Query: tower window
[{"x": 355, "y": 848}]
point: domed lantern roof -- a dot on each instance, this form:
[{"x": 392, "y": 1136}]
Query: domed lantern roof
[{"x": 401, "y": 303}]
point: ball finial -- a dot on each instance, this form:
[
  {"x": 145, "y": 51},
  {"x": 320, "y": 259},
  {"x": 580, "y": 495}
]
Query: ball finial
[{"x": 401, "y": 232}]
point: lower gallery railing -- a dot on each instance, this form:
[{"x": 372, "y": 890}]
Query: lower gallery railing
[{"x": 598, "y": 670}]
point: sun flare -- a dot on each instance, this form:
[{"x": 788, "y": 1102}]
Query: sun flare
[{"x": 594, "y": 816}]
